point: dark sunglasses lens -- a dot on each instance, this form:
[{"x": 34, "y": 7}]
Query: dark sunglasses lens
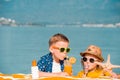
[
  {"x": 92, "y": 60},
  {"x": 62, "y": 49},
  {"x": 68, "y": 50},
  {"x": 84, "y": 59}
]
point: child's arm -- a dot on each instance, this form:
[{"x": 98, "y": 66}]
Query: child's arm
[
  {"x": 109, "y": 72},
  {"x": 47, "y": 74},
  {"x": 107, "y": 66}
]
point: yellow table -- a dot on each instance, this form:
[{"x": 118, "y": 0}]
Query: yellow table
[{"x": 20, "y": 76}]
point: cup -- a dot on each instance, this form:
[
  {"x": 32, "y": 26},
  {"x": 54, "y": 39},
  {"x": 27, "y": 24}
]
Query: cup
[{"x": 68, "y": 67}]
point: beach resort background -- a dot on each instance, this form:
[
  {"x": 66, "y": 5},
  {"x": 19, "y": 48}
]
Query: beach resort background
[{"x": 27, "y": 25}]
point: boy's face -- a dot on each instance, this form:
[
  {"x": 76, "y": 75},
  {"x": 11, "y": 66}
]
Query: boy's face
[{"x": 59, "y": 50}]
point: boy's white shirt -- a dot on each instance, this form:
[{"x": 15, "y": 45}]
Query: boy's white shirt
[{"x": 56, "y": 67}]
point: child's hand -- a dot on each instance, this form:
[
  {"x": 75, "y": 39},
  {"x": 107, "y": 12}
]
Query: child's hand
[
  {"x": 62, "y": 74},
  {"x": 113, "y": 75},
  {"x": 107, "y": 66}
]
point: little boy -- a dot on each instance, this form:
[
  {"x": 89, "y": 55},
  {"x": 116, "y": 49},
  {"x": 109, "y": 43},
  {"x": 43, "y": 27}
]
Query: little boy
[{"x": 52, "y": 64}]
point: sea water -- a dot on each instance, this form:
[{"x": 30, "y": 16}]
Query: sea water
[{"x": 21, "y": 44}]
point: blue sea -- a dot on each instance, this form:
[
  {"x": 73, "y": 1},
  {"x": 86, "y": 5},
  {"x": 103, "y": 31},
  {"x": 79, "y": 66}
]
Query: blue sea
[
  {"x": 20, "y": 45},
  {"x": 27, "y": 25}
]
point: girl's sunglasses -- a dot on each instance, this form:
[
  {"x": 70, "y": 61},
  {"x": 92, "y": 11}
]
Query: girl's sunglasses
[
  {"x": 90, "y": 60},
  {"x": 62, "y": 49}
]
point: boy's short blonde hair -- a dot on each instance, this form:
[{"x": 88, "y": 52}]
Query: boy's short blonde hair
[{"x": 58, "y": 37}]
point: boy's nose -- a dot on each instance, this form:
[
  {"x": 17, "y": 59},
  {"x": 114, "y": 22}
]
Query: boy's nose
[{"x": 65, "y": 53}]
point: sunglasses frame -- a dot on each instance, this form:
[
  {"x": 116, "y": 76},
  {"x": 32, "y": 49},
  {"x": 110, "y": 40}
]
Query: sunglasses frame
[
  {"x": 91, "y": 60},
  {"x": 62, "y": 49}
]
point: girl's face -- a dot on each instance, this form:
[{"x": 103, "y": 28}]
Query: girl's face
[
  {"x": 89, "y": 62},
  {"x": 59, "y": 50}
]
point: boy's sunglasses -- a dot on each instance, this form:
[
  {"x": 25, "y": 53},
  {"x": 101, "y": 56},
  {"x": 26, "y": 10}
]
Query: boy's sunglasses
[
  {"x": 90, "y": 60},
  {"x": 62, "y": 49}
]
